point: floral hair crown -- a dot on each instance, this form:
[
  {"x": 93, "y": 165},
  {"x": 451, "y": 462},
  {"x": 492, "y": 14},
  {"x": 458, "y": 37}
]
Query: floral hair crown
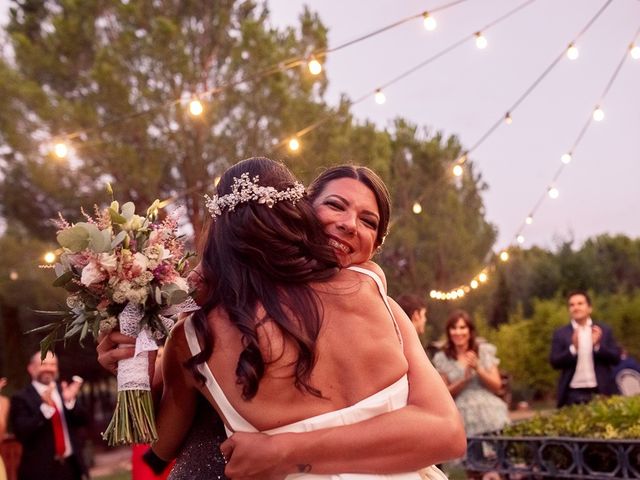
[{"x": 245, "y": 189}]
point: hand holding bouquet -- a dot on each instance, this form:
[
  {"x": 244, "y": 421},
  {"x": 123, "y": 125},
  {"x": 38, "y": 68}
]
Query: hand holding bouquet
[{"x": 125, "y": 271}]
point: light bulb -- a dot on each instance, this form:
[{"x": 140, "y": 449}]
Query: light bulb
[
  {"x": 380, "y": 97},
  {"x": 504, "y": 256},
  {"x": 61, "y": 150},
  {"x": 481, "y": 41},
  {"x": 49, "y": 257},
  {"x": 13, "y": 275},
  {"x": 453, "y": 295},
  {"x": 598, "y": 114},
  {"x": 195, "y": 107},
  {"x": 294, "y": 145},
  {"x": 433, "y": 294},
  {"x": 417, "y": 208},
  {"x": 315, "y": 67},
  {"x": 572, "y": 52},
  {"x": 507, "y": 118},
  {"x": 634, "y": 51},
  {"x": 566, "y": 158},
  {"x": 553, "y": 192},
  {"x": 430, "y": 23},
  {"x": 474, "y": 284},
  {"x": 528, "y": 220},
  {"x": 520, "y": 239},
  {"x": 460, "y": 292},
  {"x": 457, "y": 170},
  {"x": 483, "y": 277}
]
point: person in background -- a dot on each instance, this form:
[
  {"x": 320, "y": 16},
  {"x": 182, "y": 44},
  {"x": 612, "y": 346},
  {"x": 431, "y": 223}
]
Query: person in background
[
  {"x": 4, "y": 415},
  {"x": 585, "y": 352},
  {"x": 416, "y": 309},
  {"x": 45, "y": 418},
  {"x": 470, "y": 371}
]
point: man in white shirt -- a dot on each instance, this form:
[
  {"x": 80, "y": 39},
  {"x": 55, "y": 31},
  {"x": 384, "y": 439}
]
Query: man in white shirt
[
  {"x": 44, "y": 418},
  {"x": 585, "y": 352}
]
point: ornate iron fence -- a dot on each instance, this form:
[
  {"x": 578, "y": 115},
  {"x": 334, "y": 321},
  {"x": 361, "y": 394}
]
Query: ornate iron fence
[{"x": 554, "y": 457}]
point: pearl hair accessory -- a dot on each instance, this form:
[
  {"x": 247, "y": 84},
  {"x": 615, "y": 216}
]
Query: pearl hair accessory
[{"x": 245, "y": 189}]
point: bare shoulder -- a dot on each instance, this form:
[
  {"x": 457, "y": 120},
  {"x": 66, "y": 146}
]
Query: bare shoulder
[{"x": 377, "y": 269}]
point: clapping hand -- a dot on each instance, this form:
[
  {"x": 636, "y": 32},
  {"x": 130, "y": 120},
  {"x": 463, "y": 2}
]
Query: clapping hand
[
  {"x": 596, "y": 335},
  {"x": 472, "y": 359},
  {"x": 70, "y": 390}
]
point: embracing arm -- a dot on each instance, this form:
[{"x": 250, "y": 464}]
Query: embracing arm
[
  {"x": 178, "y": 403},
  {"x": 428, "y": 430}
]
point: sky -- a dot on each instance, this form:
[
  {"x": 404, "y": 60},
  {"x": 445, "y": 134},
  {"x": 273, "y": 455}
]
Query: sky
[{"x": 467, "y": 90}]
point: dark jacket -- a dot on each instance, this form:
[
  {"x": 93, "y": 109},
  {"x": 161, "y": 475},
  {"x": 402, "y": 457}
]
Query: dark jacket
[
  {"x": 604, "y": 359},
  {"x": 35, "y": 433}
]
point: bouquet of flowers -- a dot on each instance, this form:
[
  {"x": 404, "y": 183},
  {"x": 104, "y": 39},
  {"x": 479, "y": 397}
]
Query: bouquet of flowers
[{"x": 122, "y": 270}]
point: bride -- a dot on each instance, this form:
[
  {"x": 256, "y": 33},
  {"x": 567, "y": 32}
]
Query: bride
[{"x": 288, "y": 343}]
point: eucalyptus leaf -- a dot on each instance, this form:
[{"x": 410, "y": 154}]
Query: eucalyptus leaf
[
  {"x": 75, "y": 238},
  {"x": 177, "y": 296},
  {"x": 116, "y": 217},
  {"x": 128, "y": 209},
  {"x": 118, "y": 239}
]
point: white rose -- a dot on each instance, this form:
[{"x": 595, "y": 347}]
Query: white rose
[
  {"x": 109, "y": 262},
  {"x": 91, "y": 274},
  {"x": 140, "y": 261}
]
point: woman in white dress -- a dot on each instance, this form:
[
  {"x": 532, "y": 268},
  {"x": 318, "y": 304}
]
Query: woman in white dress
[{"x": 286, "y": 342}]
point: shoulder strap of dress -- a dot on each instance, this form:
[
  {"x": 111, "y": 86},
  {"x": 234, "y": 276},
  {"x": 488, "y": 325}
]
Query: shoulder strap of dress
[
  {"x": 376, "y": 278},
  {"x": 233, "y": 420}
]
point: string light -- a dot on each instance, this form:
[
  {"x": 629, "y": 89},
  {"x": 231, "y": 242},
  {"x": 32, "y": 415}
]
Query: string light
[
  {"x": 566, "y": 158},
  {"x": 430, "y": 23},
  {"x": 634, "y": 51},
  {"x": 49, "y": 257},
  {"x": 380, "y": 97},
  {"x": 315, "y": 67},
  {"x": 483, "y": 277},
  {"x": 474, "y": 284},
  {"x": 598, "y": 114},
  {"x": 504, "y": 256},
  {"x": 457, "y": 170},
  {"x": 61, "y": 149},
  {"x": 507, "y": 118},
  {"x": 528, "y": 220},
  {"x": 294, "y": 144},
  {"x": 417, "y": 208},
  {"x": 13, "y": 275},
  {"x": 553, "y": 193},
  {"x": 481, "y": 41},
  {"x": 195, "y": 107},
  {"x": 572, "y": 52},
  {"x": 520, "y": 239}
]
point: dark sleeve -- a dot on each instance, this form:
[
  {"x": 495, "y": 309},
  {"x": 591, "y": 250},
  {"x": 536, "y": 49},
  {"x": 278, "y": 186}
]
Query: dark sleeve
[
  {"x": 76, "y": 416},
  {"x": 609, "y": 351},
  {"x": 26, "y": 420},
  {"x": 154, "y": 462},
  {"x": 561, "y": 357}
]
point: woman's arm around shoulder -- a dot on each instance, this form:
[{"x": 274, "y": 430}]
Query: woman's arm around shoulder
[{"x": 179, "y": 396}]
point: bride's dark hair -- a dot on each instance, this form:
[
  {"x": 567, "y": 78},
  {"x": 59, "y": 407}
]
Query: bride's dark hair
[{"x": 256, "y": 256}]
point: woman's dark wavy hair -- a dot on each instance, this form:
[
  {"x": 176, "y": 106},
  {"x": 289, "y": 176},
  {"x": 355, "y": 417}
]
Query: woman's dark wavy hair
[
  {"x": 256, "y": 256},
  {"x": 450, "y": 348},
  {"x": 369, "y": 178}
]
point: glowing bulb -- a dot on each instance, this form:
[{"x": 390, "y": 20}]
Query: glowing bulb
[
  {"x": 457, "y": 170},
  {"x": 507, "y": 118},
  {"x": 481, "y": 41},
  {"x": 634, "y": 51},
  {"x": 433, "y": 294},
  {"x": 504, "y": 256},
  {"x": 13, "y": 275},
  {"x": 460, "y": 292},
  {"x": 294, "y": 145},
  {"x": 430, "y": 23},
  {"x": 49, "y": 257},
  {"x": 417, "y": 208},
  {"x": 380, "y": 97},
  {"x": 195, "y": 107},
  {"x": 528, "y": 220},
  {"x": 453, "y": 295},
  {"x": 483, "y": 277},
  {"x": 598, "y": 114},
  {"x": 474, "y": 284},
  {"x": 520, "y": 239},
  {"x": 315, "y": 67},
  {"x": 553, "y": 192},
  {"x": 61, "y": 150},
  {"x": 566, "y": 158},
  {"x": 572, "y": 52}
]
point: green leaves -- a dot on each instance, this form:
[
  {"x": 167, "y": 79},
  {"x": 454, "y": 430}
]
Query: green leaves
[{"x": 75, "y": 238}]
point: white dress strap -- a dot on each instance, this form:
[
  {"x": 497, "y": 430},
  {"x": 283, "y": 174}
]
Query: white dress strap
[
  {"x": 233, "y": 420},
  {"x": 383, "y": 293}
]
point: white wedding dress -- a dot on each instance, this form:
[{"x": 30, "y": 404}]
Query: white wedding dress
[{"x": 388, "y": 399}]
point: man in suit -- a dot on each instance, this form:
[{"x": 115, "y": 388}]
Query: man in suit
[
  {"x": 585, "y": 352},
  {"x": 45, "y": 419}
]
